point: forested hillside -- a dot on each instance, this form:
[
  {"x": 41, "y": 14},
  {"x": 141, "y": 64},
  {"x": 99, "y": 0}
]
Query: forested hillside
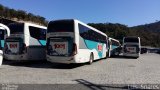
[
  {"x": 117, "y": 31},
  {"x": 13, "y": 14},
  {"x": 149, "y": 34}
]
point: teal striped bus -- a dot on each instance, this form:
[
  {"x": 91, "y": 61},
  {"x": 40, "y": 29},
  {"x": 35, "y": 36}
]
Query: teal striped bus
[{"x": 71, "y": 41}]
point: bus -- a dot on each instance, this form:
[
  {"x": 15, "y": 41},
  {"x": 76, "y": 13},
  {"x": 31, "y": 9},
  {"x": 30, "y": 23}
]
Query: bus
[
  {"x": 4, "y": 33},
  {"x": 71, "y": 41},
  {"x": 27, "y": 41},
  {"x": 114, "y": 47},
  {"x": 131, "y": 46}
]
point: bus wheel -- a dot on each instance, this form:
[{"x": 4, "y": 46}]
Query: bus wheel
[
  {"x": 109, "y": 54},
  {"x": 91, "y": 58},
  {"x": 106, "y": 55}
]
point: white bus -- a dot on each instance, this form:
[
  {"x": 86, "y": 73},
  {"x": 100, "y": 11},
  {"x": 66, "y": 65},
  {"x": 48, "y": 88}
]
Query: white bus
[
  {"x": 71, "y": 41},
  {"x": 26, "y": 42},
  {"x": 4, "y": 33},
  {"x": 131, "y": 46},
  {"x": 114, "y": 47}
]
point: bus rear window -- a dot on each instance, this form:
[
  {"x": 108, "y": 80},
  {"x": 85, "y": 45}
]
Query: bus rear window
[
  {"x": 16, "y": 28},
  {"x": 61, "y": 26},
  {"x": 131, "y": 40}
]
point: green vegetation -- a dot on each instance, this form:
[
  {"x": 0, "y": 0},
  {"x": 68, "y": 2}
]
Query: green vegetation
[
  {"x": 149, "y": 33},
  {"x": 13, "y": 14},
  {"x": 116, "y": 31}
]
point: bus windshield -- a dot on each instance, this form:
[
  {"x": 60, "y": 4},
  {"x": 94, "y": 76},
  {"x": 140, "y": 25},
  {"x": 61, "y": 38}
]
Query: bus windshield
[
  {"x": 16, "y": 28},
  {"x": 131, "y": 40},
  {"x": 61, "y": 26}
]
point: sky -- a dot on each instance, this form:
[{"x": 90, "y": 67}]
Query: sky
[{"x": 127, "y": 12}]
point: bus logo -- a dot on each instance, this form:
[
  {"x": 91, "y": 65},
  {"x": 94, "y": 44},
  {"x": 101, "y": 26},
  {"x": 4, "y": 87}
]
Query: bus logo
[
  {"x": 13, "y": 45},
  {"x": 99, "y": 47},
  {"x": 59, "y": 46}
]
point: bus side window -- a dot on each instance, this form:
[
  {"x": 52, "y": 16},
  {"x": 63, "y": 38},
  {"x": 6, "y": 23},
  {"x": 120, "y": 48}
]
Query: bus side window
[{"x": 37, "y": 33}]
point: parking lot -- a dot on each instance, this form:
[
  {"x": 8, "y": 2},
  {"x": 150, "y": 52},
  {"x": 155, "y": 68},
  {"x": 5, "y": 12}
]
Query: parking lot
[{"x": 118, "y": 70}]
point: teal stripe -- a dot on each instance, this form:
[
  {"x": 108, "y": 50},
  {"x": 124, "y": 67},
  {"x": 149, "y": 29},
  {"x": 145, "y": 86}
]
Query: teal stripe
[
  {"x": 42, "y": 42},
  {"x": 114, "y": 47},
  {"x": 2, "y": 43},
  {"x": 93, "y": 45}
]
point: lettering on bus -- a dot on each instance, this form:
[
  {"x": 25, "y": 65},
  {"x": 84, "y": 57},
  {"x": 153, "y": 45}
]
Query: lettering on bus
[
  {"x": 59, "y": 46},
  {"x": 13, "y": 45},
  {"x": 99, "y": 47}
]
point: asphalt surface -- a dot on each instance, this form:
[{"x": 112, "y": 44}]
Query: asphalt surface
[{"x": 117, "y": 70}]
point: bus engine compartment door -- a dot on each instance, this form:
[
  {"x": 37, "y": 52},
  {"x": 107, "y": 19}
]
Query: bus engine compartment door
[
  {"x": 13, "y": 47},
  {"x": 60, "y": 46}
]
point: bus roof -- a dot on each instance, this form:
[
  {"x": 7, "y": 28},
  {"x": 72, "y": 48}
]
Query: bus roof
[
  {"x": 75, "y": 20},
  {"x": 131, "y": 37},
  {"x": 30, "y": 24},
  {"x": 113, "y": 39}
]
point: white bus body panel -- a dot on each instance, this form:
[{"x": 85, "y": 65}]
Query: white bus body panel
[{"x": 1, "y": 57}]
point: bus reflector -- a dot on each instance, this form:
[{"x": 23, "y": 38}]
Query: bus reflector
[{"x": 25, "y": 48}]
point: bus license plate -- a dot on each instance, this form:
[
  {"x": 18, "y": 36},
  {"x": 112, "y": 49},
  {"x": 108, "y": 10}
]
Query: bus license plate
[{"x": 131, "y": 49}]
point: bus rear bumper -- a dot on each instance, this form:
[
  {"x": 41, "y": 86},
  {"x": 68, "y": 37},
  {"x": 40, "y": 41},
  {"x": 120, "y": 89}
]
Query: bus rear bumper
[
  {"x": 15, "y": 57},
  {"x": 56, "y": 59}
]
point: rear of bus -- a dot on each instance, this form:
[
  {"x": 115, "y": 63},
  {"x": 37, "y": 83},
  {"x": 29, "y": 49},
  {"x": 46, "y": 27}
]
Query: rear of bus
[
  {"x": 61, "y": 47},
  {"x": 15, "y": 48},
  {"x": 114, "y": 47},
  {"x": 131, "y": 46}
]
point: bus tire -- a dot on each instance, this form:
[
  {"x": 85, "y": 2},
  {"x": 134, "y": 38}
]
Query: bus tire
[
  {"x": 91, "y": 58},
  {"x": 106, "y": 55},
  {"x": 109, "y": 54}
]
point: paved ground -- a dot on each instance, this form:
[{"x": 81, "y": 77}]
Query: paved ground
[{"x": 144, "y": 70}]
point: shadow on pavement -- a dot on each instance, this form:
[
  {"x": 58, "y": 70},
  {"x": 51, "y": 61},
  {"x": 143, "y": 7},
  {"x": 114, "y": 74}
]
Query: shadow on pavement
[
  {"x": 41, "y": 64},
  {"x": 123, "y": 57},
  {"x": 93, "y": 86}
]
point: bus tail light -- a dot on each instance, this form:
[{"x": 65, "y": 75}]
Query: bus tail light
[
  {"x": 74, "y": 49},
  {"x": 24, "y": 48},
  {"x": 125, "y": 48}
]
